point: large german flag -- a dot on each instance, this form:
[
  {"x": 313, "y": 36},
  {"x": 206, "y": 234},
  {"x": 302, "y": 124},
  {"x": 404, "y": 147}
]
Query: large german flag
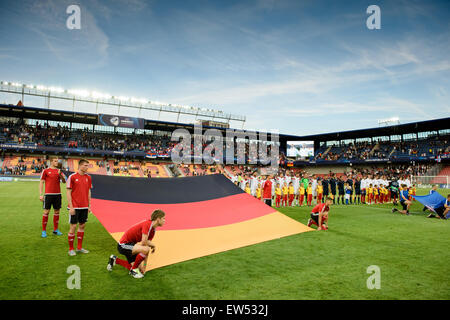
[{"x": 204, "y": 215}]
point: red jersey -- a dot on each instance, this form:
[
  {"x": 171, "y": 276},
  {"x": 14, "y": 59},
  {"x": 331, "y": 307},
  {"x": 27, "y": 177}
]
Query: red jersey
[
  {"x": 134, "y": 234},
  {"x": 267, "y": 189},
  {"x": 80, "y": 185},
  {"x": 321, "y": 207},
  {"x": 52, "y": 179}
]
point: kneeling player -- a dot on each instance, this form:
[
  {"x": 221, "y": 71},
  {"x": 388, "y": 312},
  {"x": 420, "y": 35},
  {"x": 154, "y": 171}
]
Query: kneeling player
[
  {"x": 319, "y": 214},
  {"x": 442, "y": 211},
  {"x": 404, "y": 201},
  {"x": 136, "y": 244}
]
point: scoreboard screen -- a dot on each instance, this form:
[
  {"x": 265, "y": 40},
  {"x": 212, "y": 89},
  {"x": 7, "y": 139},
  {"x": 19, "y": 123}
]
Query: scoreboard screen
[{"x": 300, "y": 149}]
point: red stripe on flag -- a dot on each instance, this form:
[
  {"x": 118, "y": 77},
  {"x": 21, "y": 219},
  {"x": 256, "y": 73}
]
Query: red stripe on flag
[{"x": 117, "y": 216}]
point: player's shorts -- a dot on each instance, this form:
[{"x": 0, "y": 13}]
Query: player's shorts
[
  {"x": 52, "y": 200},
  {"x": 440, "y": 212},
  {"x": 341, "y": 193},
  {"x": 127, "y": 250},
  {"x": 315, "y": 218},
  {"x": 357, "y": 192},
  {"x": 404, "y": 205},
  {"x": 363, "y": 192},
  {"x": 80, "y": 216}
]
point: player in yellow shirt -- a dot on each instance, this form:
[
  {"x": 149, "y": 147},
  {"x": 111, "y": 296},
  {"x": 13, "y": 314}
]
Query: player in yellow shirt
[
  {"x": 291, "y": 193},
  {"x": 258, "y": 192},
  {"x": 285, "y": 195},
  {"x": 278, "y": 195},
  {"x": 319, "y": 192},
  {"x": 385, "y": 192},
  {"x": 247, "y": 189},
  {"x": 375, "y": 194},
  {"x": 310, "y": 194},
  {"x": 301, "y": 194},
  {"x": 370, "y": 194},
  {"x": 412, "y": 192},
  {"x": 381, "y": 196}
]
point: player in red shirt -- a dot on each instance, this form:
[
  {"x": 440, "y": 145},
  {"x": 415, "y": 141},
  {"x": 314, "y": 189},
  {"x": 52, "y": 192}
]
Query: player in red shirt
[
  {"x": 136, "y": 244},
  {"x": 319, "y": 214},
  {"x": 267, "y": 191},
  {"x": 51, "y": 178},
  {"x": 79, "y": 187}
]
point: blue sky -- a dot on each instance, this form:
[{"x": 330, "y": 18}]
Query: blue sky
[{"x": 299, "y": 67}]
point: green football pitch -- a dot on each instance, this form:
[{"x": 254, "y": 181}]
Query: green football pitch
[{"x": 411, "y": 252}]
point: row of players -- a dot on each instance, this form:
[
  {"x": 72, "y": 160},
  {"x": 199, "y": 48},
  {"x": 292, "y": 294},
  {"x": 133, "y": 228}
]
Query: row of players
[
  {"x": 285, "y": 195},
  {"x": 295, "y": 189}
]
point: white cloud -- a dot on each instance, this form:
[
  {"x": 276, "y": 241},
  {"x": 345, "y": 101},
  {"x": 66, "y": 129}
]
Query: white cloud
[{"x": 87, "y": 47}]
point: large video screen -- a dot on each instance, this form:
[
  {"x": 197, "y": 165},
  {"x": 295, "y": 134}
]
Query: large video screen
[{"x": 300, "y": 149}]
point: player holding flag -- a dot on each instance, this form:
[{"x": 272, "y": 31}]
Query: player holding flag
[
  {"x": 51, "y": 178},
  {"x": 136, "y": 244},
  {"x": 404, "y": 201},
  {"x": 319, "y": 214}
]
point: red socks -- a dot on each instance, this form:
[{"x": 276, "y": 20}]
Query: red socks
[
  {"x": 71, "y": 238},
  {"x": 44, "y": 222},
  {"x": 138, "y": 260},
  {"x": 55, "y": 221},
  {"x": 123, "y": 263},
  {"x": 80, "y": 235}
]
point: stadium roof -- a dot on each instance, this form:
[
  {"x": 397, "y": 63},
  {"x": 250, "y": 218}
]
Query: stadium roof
[
  {"x": 413, "y": 127},
  {"x": 57, "y": 95},
  {"x": 89, "y": 118}
]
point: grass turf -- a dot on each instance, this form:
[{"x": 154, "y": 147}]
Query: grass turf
[{"x": 411, "y": 251}]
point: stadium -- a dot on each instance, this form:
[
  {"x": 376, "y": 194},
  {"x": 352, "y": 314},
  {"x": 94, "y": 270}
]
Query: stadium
[{"x": 250, "y": 214}]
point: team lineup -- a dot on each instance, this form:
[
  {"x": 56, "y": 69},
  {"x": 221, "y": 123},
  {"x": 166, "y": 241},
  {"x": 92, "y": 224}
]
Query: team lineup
[{"x": 295, "y": 189}]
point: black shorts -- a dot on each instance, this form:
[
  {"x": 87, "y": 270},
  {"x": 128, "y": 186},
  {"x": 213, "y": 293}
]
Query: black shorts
[
  {"x": 341, "y": 193},
  {"x": 80, "y": 216},
  {"x": 268, "y": 202},
  {"x": 440, "y": 212},
  {"x": 357, "y": 192},
  {"x": 52, "y": 200},
  {"x": 315, "y": 218},
  {"x": 127, "y": 250},
  {"x": 404, "y": 205}
]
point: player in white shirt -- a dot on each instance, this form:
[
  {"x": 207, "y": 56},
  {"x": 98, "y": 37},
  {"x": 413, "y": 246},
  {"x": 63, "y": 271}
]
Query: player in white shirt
[
  {"x": 253, "y": 184},
  {"x": 287, "y": 179},
  {"x": 280, "y": 179},
  {"x": 363, "y": 188},
  {"x": 407, "y": 182},
  {"x": 296, "y": 183},
  {"x": 314, "y": 187},
  {"x": 244, "y": 182}
]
